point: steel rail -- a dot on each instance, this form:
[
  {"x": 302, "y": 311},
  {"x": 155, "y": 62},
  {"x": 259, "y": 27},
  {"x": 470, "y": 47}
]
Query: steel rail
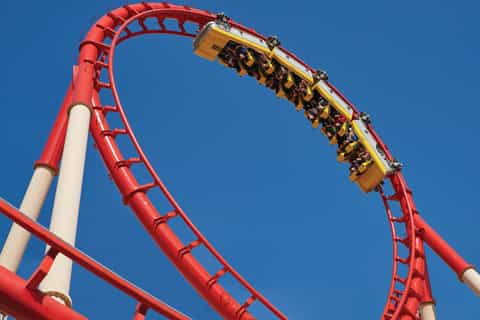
[
  {"x": 398, "y": 309},
  {"x": 117, "y": 27}
]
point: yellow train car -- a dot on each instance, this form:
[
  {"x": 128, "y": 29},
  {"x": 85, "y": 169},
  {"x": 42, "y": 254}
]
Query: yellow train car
[
  {"x": 380, "y": 167},
  {"x": 216, "y": 37}
]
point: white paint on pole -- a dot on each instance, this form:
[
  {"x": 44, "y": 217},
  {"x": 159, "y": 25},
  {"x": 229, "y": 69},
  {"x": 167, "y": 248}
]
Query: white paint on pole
[
  {"x": 472, "y": 279},
  {"x": 67, "y": 200},
  {"x": 32, "y": 203},
  {"x": 427, "y": 311}
]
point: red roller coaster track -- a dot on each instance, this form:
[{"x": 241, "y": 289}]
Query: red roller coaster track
[{"x": 22, "y": 299}]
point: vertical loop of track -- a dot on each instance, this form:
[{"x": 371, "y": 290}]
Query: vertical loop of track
[{"x": 405, "y": 290}]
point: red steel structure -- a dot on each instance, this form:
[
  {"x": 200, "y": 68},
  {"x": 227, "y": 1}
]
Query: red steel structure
[{"x": 408, "y": 291}]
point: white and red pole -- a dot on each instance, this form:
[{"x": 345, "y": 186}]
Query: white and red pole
[
  {"x": 17, "y": 239},
  {"x": 67, "y": 200},
  {"x": 45, "y": 170},
  {"x": 471, "y": 278},
  {"x": 427, "y": 311},
  {"x": 69, "y": 187},
  {"x": 466, "y": 272}
]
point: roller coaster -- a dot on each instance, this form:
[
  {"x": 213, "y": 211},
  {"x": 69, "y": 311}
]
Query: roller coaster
[{"x": 45, "y": 295}]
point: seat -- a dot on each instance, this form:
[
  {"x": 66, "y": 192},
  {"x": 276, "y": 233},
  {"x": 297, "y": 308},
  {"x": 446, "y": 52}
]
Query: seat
[
  {"x": 262, "y": 78},
  {"x": 241, "y": 70},
  {"x": 364, "y": 166},
  {"x": 249, "y": 60},
  {"x": 333, "y": 140},
  {"x": 299, "y": 105},
  {"x": 289, "y": 81},
  {"x": 354, "y": 176},
  {"x": 307, "y": 94},
  {"x": 280, "y": 91},
  {"x": 351, "y": 146},
  {"x": 343, "y": 129},
  {"x": 325, "y": 112},
  {"x": 268, "y": 67},
  {"x": 342, "y": 157},
  {"x": 323, "y": 115}
]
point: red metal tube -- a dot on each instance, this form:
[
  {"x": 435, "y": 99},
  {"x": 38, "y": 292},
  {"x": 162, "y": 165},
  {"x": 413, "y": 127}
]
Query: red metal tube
[
  {"x": 27, "y": 304},
  {"x": 86, "y": 262},
  {"x": 52, "y": 151},
  {"x": 83, "y": 82},
  {"x": 161, "y": 233},
  {"x": 441, "y": 247}
]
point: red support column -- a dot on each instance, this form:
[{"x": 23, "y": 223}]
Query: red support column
[
  {"x": 140, "y": 312},
  {"x": 52, "y": 151},
  {"x": 10, "y": 284},
  {"x": 441, "y": 247}
]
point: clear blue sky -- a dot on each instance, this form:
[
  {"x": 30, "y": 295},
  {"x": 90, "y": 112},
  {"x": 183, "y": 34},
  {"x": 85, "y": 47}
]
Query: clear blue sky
[{"x": 257, "y": 180}]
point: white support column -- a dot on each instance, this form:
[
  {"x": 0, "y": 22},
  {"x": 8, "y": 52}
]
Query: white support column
[
  {"x": 32, "y": 203},
  {"x": 472, "y": 279},
  {"x": 67, "y": 200},
  {"x": 427, "y": 311}
]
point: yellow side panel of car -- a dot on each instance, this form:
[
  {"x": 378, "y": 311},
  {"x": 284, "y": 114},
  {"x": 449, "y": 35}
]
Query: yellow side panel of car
[
  {"x": 377, "y": 171},
  {"x": 370, "y": 179},
  {"x": 215, "y": 39},
  {"x": 368, "y": 147},
  {"x": 289, "y": 82},
  {"x": 210, "y": 44}
]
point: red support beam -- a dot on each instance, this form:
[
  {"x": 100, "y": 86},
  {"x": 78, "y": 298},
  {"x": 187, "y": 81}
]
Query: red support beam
[
  {"x": 52, "y": 152},
  {"x": 42, "y": 269},
  {"x": 11, "y": 284},
  {"x": 140, "y": 312},
  {"x": 441, "y": 247},
  {"x": 27, "y": 304}
]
